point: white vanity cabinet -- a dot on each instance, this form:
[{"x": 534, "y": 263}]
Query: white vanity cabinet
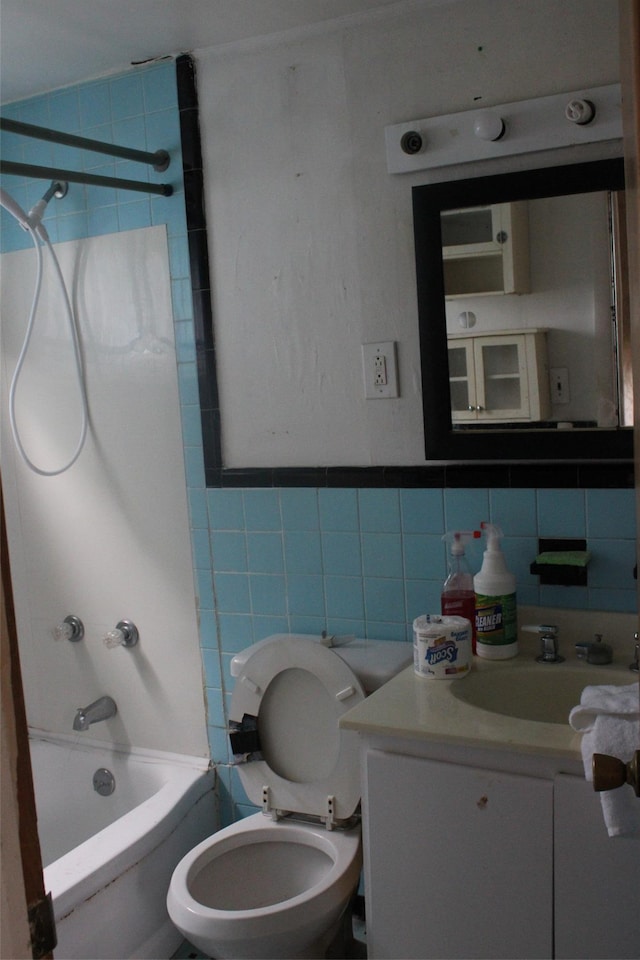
[
  {"x": 485, "y": 250},
  {"x": 499, "y": 376},
  {"x": 466, "y": 861},
  {"x": 460, "y": 861}
]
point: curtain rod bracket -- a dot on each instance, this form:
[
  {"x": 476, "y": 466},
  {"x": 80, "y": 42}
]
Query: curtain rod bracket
[{"x": 162, "y": 161}]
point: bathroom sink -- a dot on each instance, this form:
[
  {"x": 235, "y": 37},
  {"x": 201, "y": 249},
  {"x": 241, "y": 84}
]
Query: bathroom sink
[{"x": 544, "y": 693}]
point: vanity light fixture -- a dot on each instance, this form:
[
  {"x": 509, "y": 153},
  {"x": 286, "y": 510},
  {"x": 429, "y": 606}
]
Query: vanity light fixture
[{"x": 508, "y": 129}]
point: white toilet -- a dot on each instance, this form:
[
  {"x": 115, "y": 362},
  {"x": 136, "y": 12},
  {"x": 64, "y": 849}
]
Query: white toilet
[{"x": 278, "y": 884}]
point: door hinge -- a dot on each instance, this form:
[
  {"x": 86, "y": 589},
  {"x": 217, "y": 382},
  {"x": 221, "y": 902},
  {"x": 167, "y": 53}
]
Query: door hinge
[{"x": 42, "y": 927}]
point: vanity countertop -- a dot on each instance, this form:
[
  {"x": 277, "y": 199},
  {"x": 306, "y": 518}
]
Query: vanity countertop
[{"x": 413, "y": 707}]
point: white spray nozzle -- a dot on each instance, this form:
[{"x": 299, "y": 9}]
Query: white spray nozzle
[
  {"x": 493, "y": 534},
  {"x": 458, "y": 538}
]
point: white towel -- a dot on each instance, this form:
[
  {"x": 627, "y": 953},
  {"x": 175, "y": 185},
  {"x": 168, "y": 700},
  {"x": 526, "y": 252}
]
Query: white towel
[{"x": 609, "y": 719}]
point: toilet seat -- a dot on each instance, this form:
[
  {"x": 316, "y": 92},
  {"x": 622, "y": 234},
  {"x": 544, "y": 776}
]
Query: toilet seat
[{"x": 298, "y": 689}]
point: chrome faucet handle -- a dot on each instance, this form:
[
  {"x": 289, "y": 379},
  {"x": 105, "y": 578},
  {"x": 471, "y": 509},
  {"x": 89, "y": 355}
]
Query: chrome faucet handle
[
  {"x": 71, "y": 629},
  {"x": 548, "y": 642},
  {"x": 125, "y": 635}
]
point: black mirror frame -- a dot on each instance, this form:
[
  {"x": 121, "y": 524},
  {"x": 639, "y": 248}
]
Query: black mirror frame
[{"x": 442, "y": 442}]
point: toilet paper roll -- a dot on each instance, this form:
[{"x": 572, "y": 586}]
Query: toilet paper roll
[{"x": 441, "y": 647}]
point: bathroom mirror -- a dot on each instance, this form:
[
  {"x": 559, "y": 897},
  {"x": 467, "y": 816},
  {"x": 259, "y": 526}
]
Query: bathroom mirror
[{"x": 523, "y": 324}]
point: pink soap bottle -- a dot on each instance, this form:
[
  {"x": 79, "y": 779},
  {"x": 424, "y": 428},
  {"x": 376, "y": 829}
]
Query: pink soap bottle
[{"x": 458, "y": 597}]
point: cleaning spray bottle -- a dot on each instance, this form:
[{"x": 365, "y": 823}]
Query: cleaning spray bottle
[
  {"x": 495, "y": 591},
  {"x": 458, "y": 598}
]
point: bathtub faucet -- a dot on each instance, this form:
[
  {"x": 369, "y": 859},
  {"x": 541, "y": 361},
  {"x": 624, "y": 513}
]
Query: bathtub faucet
[{"x": 101, "y": 709}]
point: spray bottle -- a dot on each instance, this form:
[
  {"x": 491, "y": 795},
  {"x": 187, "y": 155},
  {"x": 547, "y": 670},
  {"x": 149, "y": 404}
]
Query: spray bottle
[
  {"x": 495, "y": 590},
  {"x": 458, "y": 598}
]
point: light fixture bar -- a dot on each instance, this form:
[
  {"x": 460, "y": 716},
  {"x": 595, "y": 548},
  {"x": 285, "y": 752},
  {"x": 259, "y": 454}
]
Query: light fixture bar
[{"x": 529, "y": 126}]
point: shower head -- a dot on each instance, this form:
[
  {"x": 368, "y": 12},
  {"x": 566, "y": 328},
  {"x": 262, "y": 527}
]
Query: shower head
[
  {"x": 32, "y": 220},
  {"x": 7, "y": 201}
]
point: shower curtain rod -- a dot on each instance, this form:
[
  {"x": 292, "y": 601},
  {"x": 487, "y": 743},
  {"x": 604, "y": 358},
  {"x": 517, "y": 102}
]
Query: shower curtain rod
[
  {"x": 12, "y": 168},
  {"x": 159, "y": 160}
]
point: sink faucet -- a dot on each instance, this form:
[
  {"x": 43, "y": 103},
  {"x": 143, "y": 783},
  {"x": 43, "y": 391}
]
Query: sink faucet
[
  {"x": 101, "y": 709},
  {"x": 594, "y": 651}
]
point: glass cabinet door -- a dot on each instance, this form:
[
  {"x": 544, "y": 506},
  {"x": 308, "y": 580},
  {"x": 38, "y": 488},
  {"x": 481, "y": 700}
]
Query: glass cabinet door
[
  {"x": 463, "y": 228},
  {"x": 501, "y": 370},
  {"x": 462, "y": 380}
]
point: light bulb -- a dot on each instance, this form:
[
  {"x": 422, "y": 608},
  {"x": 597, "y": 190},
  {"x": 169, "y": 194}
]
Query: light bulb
[{"x": 488, "y": 126}]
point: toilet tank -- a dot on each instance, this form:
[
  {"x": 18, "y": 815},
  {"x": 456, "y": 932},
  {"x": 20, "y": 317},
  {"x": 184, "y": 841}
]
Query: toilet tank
[{"x": 372, "y": 661}]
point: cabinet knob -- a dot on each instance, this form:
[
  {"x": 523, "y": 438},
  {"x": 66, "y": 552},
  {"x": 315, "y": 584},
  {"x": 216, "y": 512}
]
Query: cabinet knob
[{"x": 609, "y": 773}]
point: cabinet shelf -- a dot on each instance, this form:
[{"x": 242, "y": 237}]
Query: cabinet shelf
[{"x": 486, "y": 250}]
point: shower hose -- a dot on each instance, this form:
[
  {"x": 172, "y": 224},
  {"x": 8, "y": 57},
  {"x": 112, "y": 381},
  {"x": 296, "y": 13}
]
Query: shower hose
[{"x": 40, "y": 234}]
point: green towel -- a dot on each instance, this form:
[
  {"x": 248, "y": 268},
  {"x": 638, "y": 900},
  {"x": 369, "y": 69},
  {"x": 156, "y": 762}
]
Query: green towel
[{"x": 565, "y": 558}]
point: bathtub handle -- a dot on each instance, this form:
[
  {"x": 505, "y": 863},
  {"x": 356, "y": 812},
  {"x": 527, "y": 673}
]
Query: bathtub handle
[
  {"x": 125, "y": 635},
  {"x": 71, "y": 629}
]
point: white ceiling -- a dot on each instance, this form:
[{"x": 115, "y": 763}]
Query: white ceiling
[{"x": 46, "y": 44}]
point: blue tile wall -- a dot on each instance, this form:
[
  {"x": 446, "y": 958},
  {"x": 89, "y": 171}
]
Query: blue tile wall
[
  {"x": 363, "y": 561},
  {"x": 370, "y": 561}
]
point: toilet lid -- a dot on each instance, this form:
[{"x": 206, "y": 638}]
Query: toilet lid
[{"x": 298, "y": 689}]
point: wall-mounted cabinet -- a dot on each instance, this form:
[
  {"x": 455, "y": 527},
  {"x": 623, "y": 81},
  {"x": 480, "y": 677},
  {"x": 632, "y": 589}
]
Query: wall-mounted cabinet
[
  {"x": 499, "y": 376},
  {"x": 485, "y": 250}
]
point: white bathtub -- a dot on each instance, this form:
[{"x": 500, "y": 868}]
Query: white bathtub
[{"x": 109, "y": 859}]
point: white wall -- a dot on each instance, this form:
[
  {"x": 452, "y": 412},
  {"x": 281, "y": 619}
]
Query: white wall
[
  {"x": 311, "y": 238},
  {"x": 109, "y": 539}
]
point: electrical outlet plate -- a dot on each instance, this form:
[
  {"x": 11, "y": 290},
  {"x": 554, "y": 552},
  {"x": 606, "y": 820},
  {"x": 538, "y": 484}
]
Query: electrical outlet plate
[{"x": 380, "y": 370}]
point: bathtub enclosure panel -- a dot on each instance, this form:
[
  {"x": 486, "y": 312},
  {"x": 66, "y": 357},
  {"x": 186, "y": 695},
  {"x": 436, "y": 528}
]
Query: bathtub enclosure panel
[
  {"x": 109, "y": 539},
  {"x": 444, "y": 855}
]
